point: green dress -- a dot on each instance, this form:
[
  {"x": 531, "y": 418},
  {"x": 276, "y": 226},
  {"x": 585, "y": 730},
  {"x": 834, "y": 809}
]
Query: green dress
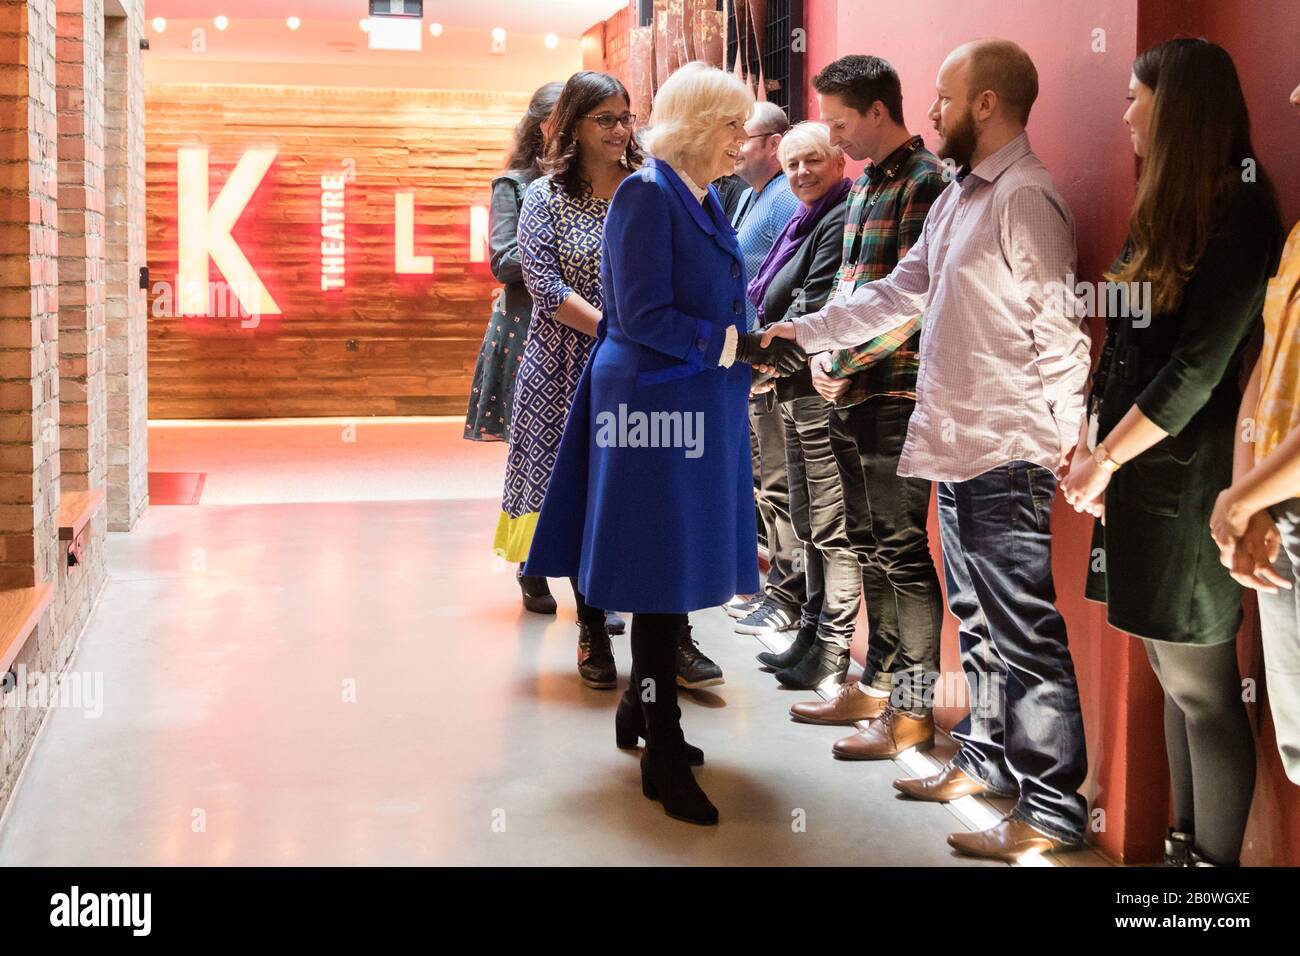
[{"x": 1154, "y": 563}]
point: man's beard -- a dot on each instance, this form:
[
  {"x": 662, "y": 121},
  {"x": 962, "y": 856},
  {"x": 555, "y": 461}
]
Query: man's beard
[{"x": 958, "y": 142}]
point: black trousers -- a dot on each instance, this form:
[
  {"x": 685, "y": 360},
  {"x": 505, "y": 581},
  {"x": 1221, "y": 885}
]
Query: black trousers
[
  {"x": 832, "y": 577},
  {"x": 885, "y": 518},
  {"x": 785, "y": 586}
]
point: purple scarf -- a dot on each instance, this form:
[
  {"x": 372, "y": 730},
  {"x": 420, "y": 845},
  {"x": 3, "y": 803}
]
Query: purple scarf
[{"x": 803, "y": 222}]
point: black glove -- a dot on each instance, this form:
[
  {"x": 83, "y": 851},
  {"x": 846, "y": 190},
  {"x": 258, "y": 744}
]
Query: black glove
[{"x": 784, "y": 355}]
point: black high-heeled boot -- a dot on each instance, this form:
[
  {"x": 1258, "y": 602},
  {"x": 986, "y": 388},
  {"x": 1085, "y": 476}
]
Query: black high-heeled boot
[
  {"x": 537, "y": 593},
  {"x": 629, "y": 723},
  {"x": 665, "y": 771},
  {"x": 793, "y": 654}
]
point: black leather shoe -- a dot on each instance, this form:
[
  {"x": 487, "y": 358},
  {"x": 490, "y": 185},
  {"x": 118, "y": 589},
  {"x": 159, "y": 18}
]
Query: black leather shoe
[
  {"x": 614, "y": 624},
  {"x": 629, "y": 725},
  {"x": 822, "y": 662},
  {"x": 1196, "y": 858},
  {"x": 666, "y": 776},
  {"x": 536, "y": 592},
  {"x": 1178, "y": 848},
  {"x": 694, "y": 670},
  {"x": 596, "y": 658},
  {"x": 793, "y": 654}
]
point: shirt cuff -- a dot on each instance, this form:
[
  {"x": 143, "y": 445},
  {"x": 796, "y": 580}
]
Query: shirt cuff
[
  {"x": 728, "y": 356},
  {"x": 810, "y": 333}
]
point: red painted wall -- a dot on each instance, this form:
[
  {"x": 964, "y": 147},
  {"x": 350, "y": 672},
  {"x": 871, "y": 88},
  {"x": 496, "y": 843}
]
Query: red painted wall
[{"x": 1076, "y": 128}]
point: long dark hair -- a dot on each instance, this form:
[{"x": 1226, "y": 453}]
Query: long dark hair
[
  {"x": 1196, "y": 153},
  {"x": 585, "y": 91},
  {"x": 526, "y": 149}
]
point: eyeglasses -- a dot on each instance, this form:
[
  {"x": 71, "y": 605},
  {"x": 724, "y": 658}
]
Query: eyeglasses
[
  {"x": 757, "y": 135},
  {"x": 609, "y": 120}
]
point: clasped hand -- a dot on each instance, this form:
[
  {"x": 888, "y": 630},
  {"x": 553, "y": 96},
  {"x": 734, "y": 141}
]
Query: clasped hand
[{"x": 780, "y": 355}]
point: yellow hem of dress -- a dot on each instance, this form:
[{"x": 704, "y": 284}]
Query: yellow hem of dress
[{"x": 514, "y": 537}]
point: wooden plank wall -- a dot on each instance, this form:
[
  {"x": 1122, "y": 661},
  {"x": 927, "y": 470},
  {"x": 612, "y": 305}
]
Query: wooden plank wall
[{"x": 415, "y": 338}]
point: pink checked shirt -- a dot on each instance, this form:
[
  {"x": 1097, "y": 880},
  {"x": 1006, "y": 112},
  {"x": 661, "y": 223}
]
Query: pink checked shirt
[{"x": 1004, "y": 362}]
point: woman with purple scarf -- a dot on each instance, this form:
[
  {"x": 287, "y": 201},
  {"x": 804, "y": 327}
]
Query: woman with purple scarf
[{"x": 797, "y": 277}]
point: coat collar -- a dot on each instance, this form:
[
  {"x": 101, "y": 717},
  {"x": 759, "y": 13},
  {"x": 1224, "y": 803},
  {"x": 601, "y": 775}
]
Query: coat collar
[{"x": 707, "y": 215}]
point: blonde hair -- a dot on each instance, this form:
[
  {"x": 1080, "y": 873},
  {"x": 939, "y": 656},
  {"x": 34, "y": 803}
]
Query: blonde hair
[
  {"x": 811, "y": 137},
  {"x": 690, "y": 104}
]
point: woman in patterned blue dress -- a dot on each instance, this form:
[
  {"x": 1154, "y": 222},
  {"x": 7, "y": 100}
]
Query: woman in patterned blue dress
[{"x": 590, "y": 149}]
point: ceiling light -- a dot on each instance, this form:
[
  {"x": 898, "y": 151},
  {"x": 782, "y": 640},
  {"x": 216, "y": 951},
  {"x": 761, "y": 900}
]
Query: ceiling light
[
  {"x": 159, "y": 24},
  {"x": 221, "y": 22},
  {"x": 365, "y": 26},
  {"x": 551, "y": 41},
  {"x": 435, "y": 29},
  {"x": 293, "y": 23},
  {"x": 499, "y": 34}
]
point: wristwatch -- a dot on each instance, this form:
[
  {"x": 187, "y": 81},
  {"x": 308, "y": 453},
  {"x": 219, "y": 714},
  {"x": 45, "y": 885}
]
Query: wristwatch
[{"x": 1101, "y": 458}]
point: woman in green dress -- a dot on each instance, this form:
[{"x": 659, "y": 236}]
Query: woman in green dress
[
  {"x": 493, "y": 388},
  {"x": 1204, "y": 237}
]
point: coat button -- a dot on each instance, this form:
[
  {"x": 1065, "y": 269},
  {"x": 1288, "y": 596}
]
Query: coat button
[
  {"x": 736, "y": 307},
  {"x": 701, "y": 344},
  {"x": 735, "y": 270}
]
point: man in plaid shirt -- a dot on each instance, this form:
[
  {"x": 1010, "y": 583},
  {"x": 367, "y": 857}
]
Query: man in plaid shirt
[{"x": 861, "y": 101}]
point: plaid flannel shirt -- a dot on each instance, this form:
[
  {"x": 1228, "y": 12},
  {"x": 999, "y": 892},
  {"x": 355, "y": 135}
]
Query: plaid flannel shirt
[{"x": 886, "y": 213}]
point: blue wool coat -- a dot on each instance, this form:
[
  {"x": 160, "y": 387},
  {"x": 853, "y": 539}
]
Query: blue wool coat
[{"x": 651, "y": 502}]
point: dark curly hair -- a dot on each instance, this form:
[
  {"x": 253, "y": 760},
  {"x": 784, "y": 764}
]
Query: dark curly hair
[
  {"x": 860, "y": 81},
  {"x": 585, "y": 91},
  {"x": 526, "y": 149}
]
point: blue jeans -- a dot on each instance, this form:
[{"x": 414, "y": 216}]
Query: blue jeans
[{"x": 1024, "y": 735}]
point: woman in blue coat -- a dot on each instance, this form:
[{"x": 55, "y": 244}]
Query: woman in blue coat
[{"x": 651, "y": 501}]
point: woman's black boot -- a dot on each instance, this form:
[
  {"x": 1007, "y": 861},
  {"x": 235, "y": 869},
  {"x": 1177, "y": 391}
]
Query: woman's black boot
[
  {"x": 596, "y": 657},
  {"x": 665, "y": 768},
  {"x": 667, "y": 777},
  {"x": 629, "y": 724},
  {"x": 537, "y": 593},
  {"x": 1178, "y": 848},
  {"x": 793, "y": 654}
]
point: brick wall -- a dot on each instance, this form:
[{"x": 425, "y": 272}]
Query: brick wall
[
  {"x": 83, "y": 439},
  {"x": 56, "y": 263},
  {"x": 126, "y": 365},
  {"x": 28, "y": 294},
  {"x": 80, "y": 97}
]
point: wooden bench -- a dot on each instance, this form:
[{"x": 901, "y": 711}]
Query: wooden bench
[
  {"x": 75, "y": 509},
  {"x": 20, "y": 610}
]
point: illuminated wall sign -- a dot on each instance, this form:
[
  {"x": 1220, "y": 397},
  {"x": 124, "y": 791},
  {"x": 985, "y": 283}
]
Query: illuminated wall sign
[
  {"x": 478, "y": 233},
  {"x": 405, "y": 261},
  {"x": 332, "y": 248},
  {"x": 205, "y": 231}
]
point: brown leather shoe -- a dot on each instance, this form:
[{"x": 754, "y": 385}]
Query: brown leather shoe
[
  {"x": 1009, "y": 841},
  {"x": 843, "y": 710},
  {"x": 948, "y": 784},
  {"x": 887, "y": 736}
]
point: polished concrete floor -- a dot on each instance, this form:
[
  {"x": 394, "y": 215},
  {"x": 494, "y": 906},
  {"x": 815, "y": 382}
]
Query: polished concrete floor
[{"x": 355, "y": 683}]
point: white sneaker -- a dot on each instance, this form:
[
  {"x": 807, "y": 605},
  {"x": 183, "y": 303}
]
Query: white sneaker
[
  {"x": 767, "y": 618},
  {"x": 743, "y": 605}
]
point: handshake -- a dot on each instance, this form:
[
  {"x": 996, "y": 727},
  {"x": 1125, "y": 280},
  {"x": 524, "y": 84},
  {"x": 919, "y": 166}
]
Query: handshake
[{"x": 770, "y": 348}]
